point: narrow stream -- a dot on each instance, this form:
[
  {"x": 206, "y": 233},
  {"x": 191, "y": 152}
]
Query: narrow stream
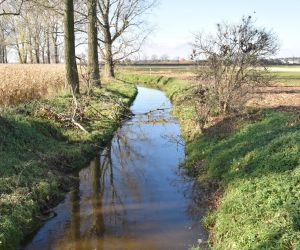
[{"x": 134, "y": 195}]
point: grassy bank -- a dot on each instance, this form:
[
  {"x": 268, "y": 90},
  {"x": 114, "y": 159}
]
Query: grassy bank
[
  {"x": 40, "y": 149},
  {"x": 256, "y": 160}
]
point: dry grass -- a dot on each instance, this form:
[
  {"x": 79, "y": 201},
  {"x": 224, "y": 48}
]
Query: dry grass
[{"x": 27, "y": 82}]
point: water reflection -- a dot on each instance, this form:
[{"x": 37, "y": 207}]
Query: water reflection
[{"x": 132, "y": 196}]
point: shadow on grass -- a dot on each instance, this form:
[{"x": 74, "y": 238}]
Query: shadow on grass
[
  {"x": 256, "y": 159},
  {"x": 25, "y": 140},
  {"x": 117, "y": 93},
  {"x": 258, "y": 147}
]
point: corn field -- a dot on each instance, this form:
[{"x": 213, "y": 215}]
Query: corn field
[{"x": 20, "y": 83}]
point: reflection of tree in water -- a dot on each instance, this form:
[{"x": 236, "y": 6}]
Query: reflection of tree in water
[
  {"x": 109, "y": 213},
  {"x": 197, "y": 193},
  {"x": 110, "y": 180},
  {"x": 107, "y": 206},
  {"x": 107, "y": 203},
  {"x": 75, "y": 213},
  {"x": 124, "y": 150},
  {"x": 98, "y": 227},
  {"x": 127, "y": 159}
]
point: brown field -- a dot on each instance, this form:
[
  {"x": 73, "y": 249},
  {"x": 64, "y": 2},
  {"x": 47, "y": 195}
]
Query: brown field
[{"x": 27, "y": 82}]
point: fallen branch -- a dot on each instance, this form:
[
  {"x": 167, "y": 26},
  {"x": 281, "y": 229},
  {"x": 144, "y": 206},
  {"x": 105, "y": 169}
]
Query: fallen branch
[
  {"x": 153, "y": 111},
  {"x": 78, "y": 125}
]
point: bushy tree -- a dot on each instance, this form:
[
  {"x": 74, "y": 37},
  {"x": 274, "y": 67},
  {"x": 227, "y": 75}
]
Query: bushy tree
[{"x": 232, "y": 66}]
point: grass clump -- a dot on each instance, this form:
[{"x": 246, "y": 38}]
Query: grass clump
[{"x": 39, "y": 152}]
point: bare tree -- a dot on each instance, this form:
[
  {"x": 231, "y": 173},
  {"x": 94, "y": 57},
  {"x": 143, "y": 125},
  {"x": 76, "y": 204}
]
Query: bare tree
[
  {"x": 34, "y": 33},
  {"x": 232, "y": 66},
  {"x": 165, "y": 58},
  {"x": 72, "y": 78},
  {"x": 93, "y": 61},
  {"x": 4, "y": 40},
  {"x": 122, "y": 29}
]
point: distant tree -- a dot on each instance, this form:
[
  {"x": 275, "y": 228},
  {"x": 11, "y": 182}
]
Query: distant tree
[
  {"x": 154, "y": 58},
  {"x": 233, "y": 66},
  {"x": 165, "y": 58},
  {"x": 4, "y": 40},
  {"x": 34, "y": 32},
  {"x": 122, "y": 29},
  {"x": 177, "y": 59},
  {"x": 72, "y": 78}
]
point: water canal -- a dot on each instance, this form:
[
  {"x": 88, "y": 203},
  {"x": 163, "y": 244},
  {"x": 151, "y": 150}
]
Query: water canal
[{"x": 134, "y": 195}]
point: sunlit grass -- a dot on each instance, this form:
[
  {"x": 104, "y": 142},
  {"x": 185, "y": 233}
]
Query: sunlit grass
[{"x": 259, "y": 166}]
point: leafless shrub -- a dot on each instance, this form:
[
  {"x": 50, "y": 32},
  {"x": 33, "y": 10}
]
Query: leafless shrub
[
  {"x": 85, "y": 74},
  {"x": 232, "y": 65}
]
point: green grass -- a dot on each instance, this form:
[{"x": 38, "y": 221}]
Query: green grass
[
  {"x": 288, "y": 78},
  {"x": 257, "y": 164},
  {"x": 39, "y": 154},
  {"x": 158, "y": 69},
  {"x": 259, "y": 168},
  {"x": 291, "y": 66}
]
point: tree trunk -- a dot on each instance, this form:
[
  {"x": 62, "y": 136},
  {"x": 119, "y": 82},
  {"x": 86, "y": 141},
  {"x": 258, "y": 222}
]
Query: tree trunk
[
  {"x": 37, "y": 51},
  {"x": 43, "y": 54},
  {"x": 5, "y": 55},
  {"x": 19, "y": 54},
  {"x": 30, "y": 51},
  {"x": 93, "y": 61},
  {"x": 1, "y": 54},
  {"x": 69, "y": 42},
  {"x": 48, "y": 47},
  {"x": 24, "y": 53},
  {"x": 55, "y": 45},
  {"x": 109, "y": 63},
  {"x": 56, "y": 56}
]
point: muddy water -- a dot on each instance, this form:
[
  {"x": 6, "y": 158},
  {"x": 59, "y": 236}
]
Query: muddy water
[{"x": 134, "y": 195}]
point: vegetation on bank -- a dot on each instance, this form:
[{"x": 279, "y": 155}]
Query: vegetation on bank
[
  {"x": 40, "y": 148},
  {"x": 255, "y": 159}
]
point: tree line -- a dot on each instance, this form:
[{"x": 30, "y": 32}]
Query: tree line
[{"x": 49, "y": 31}]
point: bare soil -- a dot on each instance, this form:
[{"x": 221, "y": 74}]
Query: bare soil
[{"x": 277, "y": 96}]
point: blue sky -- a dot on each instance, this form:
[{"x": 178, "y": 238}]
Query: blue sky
[{"x": 177, "y": 20}]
